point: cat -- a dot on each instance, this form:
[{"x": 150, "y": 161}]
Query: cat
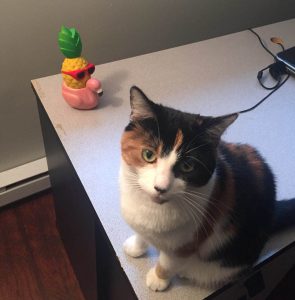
[{"x": 208, "y": 206}]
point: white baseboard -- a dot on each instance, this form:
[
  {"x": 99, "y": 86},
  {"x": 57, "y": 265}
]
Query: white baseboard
[{"x": 23, "y": 181}]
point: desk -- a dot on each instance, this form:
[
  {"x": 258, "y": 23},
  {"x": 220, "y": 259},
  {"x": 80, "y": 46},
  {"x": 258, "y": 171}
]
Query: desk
[{"x": 212, "y": 77}]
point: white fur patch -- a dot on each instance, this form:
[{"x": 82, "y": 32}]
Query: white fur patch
[
  {"x": 164, "y": 175},
  {"x": 158, "y": 175},
  {"x": 135, "y": 246},
  {"x": 154, "y": 282}
]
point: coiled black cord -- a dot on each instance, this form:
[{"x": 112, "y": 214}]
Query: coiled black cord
[{"x": 277, "y": 69}]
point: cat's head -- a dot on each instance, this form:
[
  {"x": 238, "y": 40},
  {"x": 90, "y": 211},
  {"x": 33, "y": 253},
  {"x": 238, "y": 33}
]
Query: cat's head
[{"x": 167, "y": 150}]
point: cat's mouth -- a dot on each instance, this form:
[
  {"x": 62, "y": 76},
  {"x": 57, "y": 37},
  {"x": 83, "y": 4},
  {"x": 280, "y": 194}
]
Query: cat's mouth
[{"x": 159, "y": 199}]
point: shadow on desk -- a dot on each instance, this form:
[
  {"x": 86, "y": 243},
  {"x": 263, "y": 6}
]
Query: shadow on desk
[{"x": 112, "y": 85}]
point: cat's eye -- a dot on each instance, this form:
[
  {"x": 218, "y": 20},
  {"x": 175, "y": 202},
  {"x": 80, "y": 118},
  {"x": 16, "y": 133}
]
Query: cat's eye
[
  {"x": 186, "y": 167},
  {"x": 149, "y": 155}
]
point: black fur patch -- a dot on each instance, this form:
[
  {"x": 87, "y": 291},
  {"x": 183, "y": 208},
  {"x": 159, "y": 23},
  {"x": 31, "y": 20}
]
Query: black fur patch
[{"x": 253, "y": 211}]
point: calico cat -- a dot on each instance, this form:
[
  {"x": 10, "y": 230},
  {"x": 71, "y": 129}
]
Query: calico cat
[{"x": 208, "y": 206}]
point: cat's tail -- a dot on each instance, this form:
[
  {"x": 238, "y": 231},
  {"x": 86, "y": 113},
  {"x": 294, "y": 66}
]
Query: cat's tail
[{"x": 284, "y": 215}]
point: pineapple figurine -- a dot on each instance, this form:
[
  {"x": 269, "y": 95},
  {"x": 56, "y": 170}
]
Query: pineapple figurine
[{"x": 78, "y": 89}]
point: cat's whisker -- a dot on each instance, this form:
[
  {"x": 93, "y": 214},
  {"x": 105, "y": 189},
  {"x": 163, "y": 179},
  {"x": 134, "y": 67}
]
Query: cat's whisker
[
  {"x": 203, "y": 209},
  {"x": 208, "y": 201},
  {"x": 204, "y": 197},
  {"x": 194, "y": 138},
  {"x": 200, "y": 134},
  {"x": 196, "y": 206},
  {"x": 193, "y": 204},
  {"x": 198, "y": 210},
  {"x": 190, "y": 215},
  {"x": 211, "y": 226},
  {"x": 132, "y": 179},
  {"x": 213, "y": 220},
  {"x": 193, "y": 192},
  {"x": 199, "y": 196},
  {"x": 192, "y": 195},
  {"x": 217, "y": 205},
  {"x": 209, "y": 198},
  {"x": 131, "y": 176},
  {"x": 195, "y": 219},
  {"x": 200, "y": 162},
  {"x": 195, "y": 148},
  {"x": 133, "y": 182}
]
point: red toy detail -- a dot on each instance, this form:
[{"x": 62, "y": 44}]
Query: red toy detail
[{"x": 80, "y": 73}]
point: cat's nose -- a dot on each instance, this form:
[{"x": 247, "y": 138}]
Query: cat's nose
[{"x": 160, "y": 190}]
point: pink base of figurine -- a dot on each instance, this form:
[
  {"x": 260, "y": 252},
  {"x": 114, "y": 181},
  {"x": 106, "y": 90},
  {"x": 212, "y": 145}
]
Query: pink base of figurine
[{"x": 85, "y": 98}]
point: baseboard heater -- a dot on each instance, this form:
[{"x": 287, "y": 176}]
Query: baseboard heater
[{"x": 23, "y": 181}]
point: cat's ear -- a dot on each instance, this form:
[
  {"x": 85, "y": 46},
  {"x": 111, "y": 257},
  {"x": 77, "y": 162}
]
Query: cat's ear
[
  {"x": 215, "y": 127},
  {"x": 141, "y": 106}
]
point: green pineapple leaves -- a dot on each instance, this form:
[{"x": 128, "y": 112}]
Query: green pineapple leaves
[{"x": 69, "y": 42}]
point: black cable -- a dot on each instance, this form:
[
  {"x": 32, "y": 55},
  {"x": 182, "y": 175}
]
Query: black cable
[
  {"x": 259, "y": 78},
  {"x": 263, "y": 99},
  {"x": 260, "y": 40},
  {"x": 282, "y": 46},
  {"x": 260, "y": 73},
  {"x": 276, "y": 70},
  {"x": 278, "y": 41}
]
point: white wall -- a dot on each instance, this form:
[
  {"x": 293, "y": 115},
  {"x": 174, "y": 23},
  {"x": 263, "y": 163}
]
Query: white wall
[{"x": 110, "y": 29}]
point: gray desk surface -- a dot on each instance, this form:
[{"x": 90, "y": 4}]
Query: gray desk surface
[{"x": 212, "y": 77}]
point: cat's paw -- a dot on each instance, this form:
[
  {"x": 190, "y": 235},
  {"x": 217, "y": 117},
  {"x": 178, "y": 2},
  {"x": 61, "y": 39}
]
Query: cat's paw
[
  {"x": 134, "y": 246},
  {"x": 154, "y": 282}
]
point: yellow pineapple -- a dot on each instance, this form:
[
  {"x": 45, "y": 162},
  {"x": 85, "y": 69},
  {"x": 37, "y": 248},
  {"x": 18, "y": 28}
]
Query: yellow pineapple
[{"x": 70, "y": 45}]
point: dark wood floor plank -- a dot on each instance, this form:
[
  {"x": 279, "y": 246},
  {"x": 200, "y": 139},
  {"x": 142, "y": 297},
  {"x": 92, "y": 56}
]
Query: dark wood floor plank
[
  {"x": 33, "y": 262},
  {"x": 47, "y": 255},
  {"x": 17, "y": 276}
]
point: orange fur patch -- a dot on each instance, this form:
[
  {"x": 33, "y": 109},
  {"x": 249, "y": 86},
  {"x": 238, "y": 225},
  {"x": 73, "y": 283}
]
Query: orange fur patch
[
  {"x": 255, "y": 161},
  {"x": 159, "y": 148},
  {"x": 178, "y": 140},
  {"x": 161, "y": 272},
  {"x": 251, "y": 155},
  {"x": 188, "y": 249},
  {"x": 132, "y": 144},
  {"x": 131, "y": 147}
]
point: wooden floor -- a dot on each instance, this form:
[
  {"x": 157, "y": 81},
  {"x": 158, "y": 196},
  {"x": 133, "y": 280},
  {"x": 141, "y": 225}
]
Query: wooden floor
[{"x": 33, "y": 261}]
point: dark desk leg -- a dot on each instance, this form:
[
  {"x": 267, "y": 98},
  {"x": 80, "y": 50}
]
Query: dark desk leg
[
  {"x": 74, "y": 214},
  {"x": 92, "y": 256}
]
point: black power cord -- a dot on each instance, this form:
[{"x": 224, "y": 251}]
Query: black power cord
[
  {"x": 276, "y": 70},
  {"x": 260, "y": 40},
  {"x": 263, "y": 99}
]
